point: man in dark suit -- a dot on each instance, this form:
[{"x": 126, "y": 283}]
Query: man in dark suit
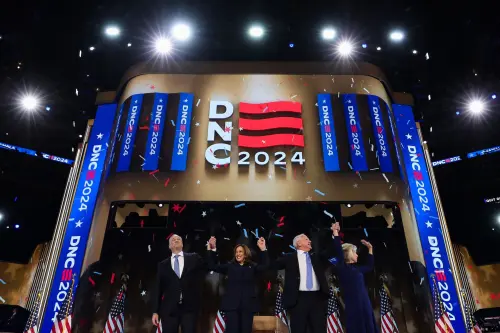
[
  {"x": 179, "y": 284},
  {"x": 306, "y": 289}
]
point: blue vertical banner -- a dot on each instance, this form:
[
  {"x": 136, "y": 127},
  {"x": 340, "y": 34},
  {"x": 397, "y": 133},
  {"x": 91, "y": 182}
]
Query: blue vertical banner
[
  {"x": 182, "y": 128},
  {"x": 80, "y": 219},
  {"x": 379, "y": 132},
  {"x": 426, "y": 214},
  {"x": 155, "y": 133},
  {"x": 328, "y": 138},
  {"x": 354, "y": 133},
  {"x": 128, "y": 138},
  {"x": 113, "y": 141}
]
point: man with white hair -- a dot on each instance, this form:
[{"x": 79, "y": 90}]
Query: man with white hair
[
  {"x": 306, "y": 289},
  {"x": 178, "y": 289}
]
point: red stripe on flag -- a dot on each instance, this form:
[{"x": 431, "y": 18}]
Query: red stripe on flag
[
  {"x": 271, "y": 140},
  {"x": 270, "y": 107},
  {"x": 270, "y": 123}
]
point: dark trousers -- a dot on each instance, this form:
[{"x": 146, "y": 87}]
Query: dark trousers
[
  {"x": 309, "y": 312},
  {"x": 186, "y": 320},
  {"x": 239, "y": 321}
]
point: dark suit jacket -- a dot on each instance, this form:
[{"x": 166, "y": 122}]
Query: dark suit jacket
[
  {"x": 241, "y": 282},
  {"x": 169, "y": 287},
  {"x": 290, "y": 263}
]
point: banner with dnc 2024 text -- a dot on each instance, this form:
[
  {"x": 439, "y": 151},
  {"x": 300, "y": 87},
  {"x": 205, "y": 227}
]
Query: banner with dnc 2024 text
[
  {"x": 80, "y": 219},
  {"x": 426, "y": 214}
]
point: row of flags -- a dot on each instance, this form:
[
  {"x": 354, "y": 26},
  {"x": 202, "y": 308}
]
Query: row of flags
[{"x": 116, "y": 318}]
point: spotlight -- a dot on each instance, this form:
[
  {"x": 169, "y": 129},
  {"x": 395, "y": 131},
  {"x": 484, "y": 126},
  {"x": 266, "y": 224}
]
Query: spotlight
[
  {"x": 345, "y": 49},
  {"x": 493, "y": 96},
  {"x": 129, "y": 44},
  {"x": 163, "y": 45},
  {"x": 16, "y": 226},
  {"x": 29, "y": 102},
  {"x": 47, "y": 108},
  {"x": 328, "y": 33},
  {"x": 256, "y": 31},
  {"x": 349, "y": 205},
  {"x": 457, "y": 113},
  {"x": 414, "y": 52},
  {"x": 91, "y": 48},
  {"x": 112, "y": 31},
  {"x": 160, "y": 205},
  {"x": 397, "y": 36},
  {"x": 181, "y": 32},
  {"x": 1, "y": 216},
  {"x": 379, "y": 48},
  {"x": 291, "y": 45},
  {"x": 476, "y": 106},
  {"x": 364, "y": 46}
]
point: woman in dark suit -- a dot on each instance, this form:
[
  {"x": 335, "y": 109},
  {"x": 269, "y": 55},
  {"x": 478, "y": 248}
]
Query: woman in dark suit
[
  {"x": 358, "y": 309},
  {"x": 239, "y": 302}
]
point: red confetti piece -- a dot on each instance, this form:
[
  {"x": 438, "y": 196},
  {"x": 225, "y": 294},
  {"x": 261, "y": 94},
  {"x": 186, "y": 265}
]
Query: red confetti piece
[
  {"x": 162, "y": 297},
  {"x": 153, "y": 172},
  {"x": 92, "y": 281},
  {"x": 169, "y": 236},
  {"x": 166, "y": 182},
  {"x": 281, "y": 224},
  {"x": 175, "y": 225},
  {"x": 142, "y": 223},
  {"x": 269, "y": 286},
  {"x": 144, "y": 128},
  {"x": 323, "y": 203},
  {"x": 183, "y": 207},
  {"x": 112, "y": 278},
  {"x": 282, "y": 218}
]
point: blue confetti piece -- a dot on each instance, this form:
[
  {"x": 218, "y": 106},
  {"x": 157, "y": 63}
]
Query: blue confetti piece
[
  {"x": 2, "y": 281},
  {"x": 292, "y": 247},
  {"x": 333, "y": 260},
  {"x": 172, "y": 121},
  {"x": 319, "y": 192},
  {"x": 15, "y": 199},
  {"x": 98, "y": 273},
  {"x": 239, "y": 205},
  {"x": 279, "y": 235},
  {"x": 1, "y": 299},
  {"x": 257, "y": 233},
  {"x": 366, "y": 232},
  {"x": 283, "y": 168},
  {"x": 350, "y": 166},
  {"x": 434, "y": 217},
  {"x": 189, "y": 140},
  {"x": 245, "y": 232}
]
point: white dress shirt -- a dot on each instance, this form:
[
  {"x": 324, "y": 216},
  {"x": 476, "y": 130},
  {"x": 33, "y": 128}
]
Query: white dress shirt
[
  {"x": 303, "y": 273},
  {"x": 181, "y": 262}
]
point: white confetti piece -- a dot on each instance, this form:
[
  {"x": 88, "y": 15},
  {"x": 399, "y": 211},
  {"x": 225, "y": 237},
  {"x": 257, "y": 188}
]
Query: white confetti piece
[
  {"x": 226, "y": 238},
  {"x": 372, "y": 147},
  {"x": 373, "y": 169},
  {"x": 2, "y": 281},
  {"x": 149, "y": 248},
  {"x": 198, "y": 103},
  {"x": 350, "y": 166},
  {"x": 366, "y": 232},
  {"x": 76, "y": 92},
  {"x": 293, "y": 96},
  {"x": 1, "y": 299},
  {"x": 385, "y": 177},
  {"x": 142, "y": 158},
  {"x": 328, "y": 213},
  {"x": 80, "y": 54},
  {"x": 352, "y": 79},
  {"x": 172, "y": 121},
  {"x": 409, "y": 265},
  {"x": 366, "y": 90},
  {"x": 421, "y": 280}
]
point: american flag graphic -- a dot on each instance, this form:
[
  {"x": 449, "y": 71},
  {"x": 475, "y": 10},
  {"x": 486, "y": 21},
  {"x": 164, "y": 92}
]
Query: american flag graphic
[
  {"x": 279, "y": 311},
  {"x": 270, "y": 124},
  {"x": 116, "y": 318},
  {"x": 219, "y": 323},
  {"x": 31, "y": 325},
  {"x": 387, "y": 320},
  {"x": 333, "y": 324},
  {"x": 64, "y": 317},
  {"x": 159, "y": 329},
  {"x": 441, "y": 321}
]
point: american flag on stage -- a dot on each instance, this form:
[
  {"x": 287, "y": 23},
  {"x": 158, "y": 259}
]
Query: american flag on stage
[
  {"x": 219, "y": 323},
  {"x": 441, "y": 321},
  {"x": 279, "y": 311},
  {"x": 116, "y": 318},
  {"x": 270, "y": 124},
  {"x": 387, "y": 320},
  {"x": 64, "y": 317},
  {"x": 476, "y": 329},
  {"x": 159, "y": 329},
  {"x": 31, "y": 325},
  {"x": 333, "y": 324}
]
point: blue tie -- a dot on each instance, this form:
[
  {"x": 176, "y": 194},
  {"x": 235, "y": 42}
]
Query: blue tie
[
  {"x": 309, "y": 272},
  {"x": 177, "y": 268}
]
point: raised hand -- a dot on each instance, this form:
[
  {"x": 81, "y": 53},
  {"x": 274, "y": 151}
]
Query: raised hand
[
  {"x": 335, "y": 228},
  {"x": 367, "y": 244},
  {"x": 154, "y": 319},
  {"x": 212, "y": 243},
  {"x": 261, "y": 243}
]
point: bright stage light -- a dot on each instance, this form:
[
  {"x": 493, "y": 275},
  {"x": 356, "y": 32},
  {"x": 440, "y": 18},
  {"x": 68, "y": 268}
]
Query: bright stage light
[
  {"x": 397, "y": 36},
  {"x": 163, "y": 45},
  {"x": 16, "y": 226},
  {"x": 181, "y": 32},
  {"x": 112, "y": 31},
  {"x": 91, "y": 48},
  {"x": 129, "y": 44},
  {"x": 414, "y": 52},
  {"x": 345, "y": 49},
  {"x": 379, "y": 48},
  {"x": 328, "y": 33},
  {"x": 364, "y": 46},
  {"x": 1, "y": 216},
  {"x": 29, "y": 102},
  {"x": 476, "y": 106},
  {"x": 256, "y": 31},
  {"x": 493, "y": 96}
]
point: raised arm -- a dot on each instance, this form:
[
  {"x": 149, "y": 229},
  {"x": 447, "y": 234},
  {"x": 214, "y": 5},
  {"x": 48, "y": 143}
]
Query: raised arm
[
  {"x": 213, "y": 258},
  {"x": 330, "y": 251},
  {"x": 370, "y": 260},
  {"x": 337, "y": 245},
  {"x": 263, "y": 263}
]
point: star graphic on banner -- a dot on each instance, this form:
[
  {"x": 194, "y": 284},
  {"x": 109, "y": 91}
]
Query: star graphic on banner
[
  {"x": 355, "y": 185},
  {"x": 214, "y": 166},
  {"x": 349, "y": 101},
  {"x": 324, "y": 101},
  {"x": 197, "y": 124},
  {"x": 203, "y": 213},
  {"x": 135, "y": 102},
  {"x": 264, "y": 141},
  {"x": 143, "y": 293},
  {"x": 373, "y": 102},
  {"x": 99, "y": 136},
  {"x": 186, "y": 100},
  {"x": 78, "y": 224},
  {"x": 198, "y": 182},
  {"x": 408, "y": 136},
  {"x": 429, "y": 224},
  {"x": 238, "y": 223},
  {"x": 309, "y": 198},
  {"x": 241, "y": 128},
  {"x": 161, "y": 100}
]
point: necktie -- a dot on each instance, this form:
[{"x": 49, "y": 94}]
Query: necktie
[
  {"x": 177, "y": 268},
  {"x": 309, "y": 272}
]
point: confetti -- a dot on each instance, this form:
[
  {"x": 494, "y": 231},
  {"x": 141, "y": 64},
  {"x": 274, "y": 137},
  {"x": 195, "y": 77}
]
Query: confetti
[
  {"x": 172, "y": 121},
  {"x": 359, "y": 174},
  {"x": 257, "y": 232},
  {"x": 1, "y": 299},
  {"x": 226, "y": 238},
  {"x": 92, "y": 281},
  {"x": 373, "y": 169},
  {"x": 349, "y": 164},
  {"x": 328, "y": 213},
  {"x": 293, "y": 96},
  {"x": 385, "y": 177},
  {"x": 319, "y": 192},
  {"x": 253, "y": 233},
  {"x": 97, "y": 273},
  {"x": 112, "y": 278},
  {"x": 166, "y": 182},
  {"x": 384, "y": 244},
  {"x": 411, "y": 270},
  {"x": 245, "y": 232},
  {"x": 149, "y": 248},
  {"x": 421, "y": 280},
  {"x": 153, "y": 172},
  {"x": 292, "y": 247},
  {"x": 269, "y": 286},
  {"x": 198, "y": 103},
  {"x": 366, "y": 90},
  {"x": 169, "y": 236},
  {"x": 189, "y": 140},
  {"x": 280, "y": 224},
  {"x": 366, "y": 232},
  {"x": 279, "y": 235},
  {"x": 239, "y": 205}
]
